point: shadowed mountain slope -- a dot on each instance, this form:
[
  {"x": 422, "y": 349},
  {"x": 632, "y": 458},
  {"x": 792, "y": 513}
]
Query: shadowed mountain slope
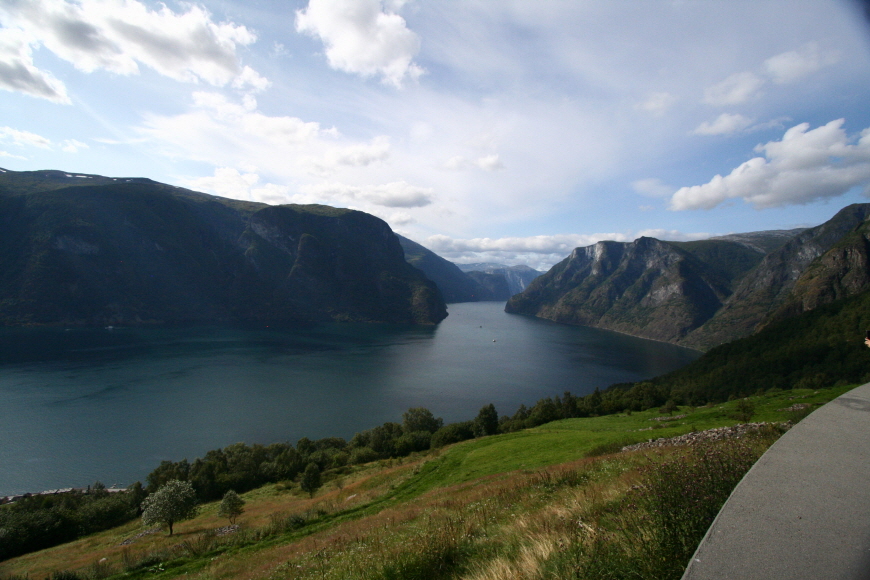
[{"x": 101, "y": 251}]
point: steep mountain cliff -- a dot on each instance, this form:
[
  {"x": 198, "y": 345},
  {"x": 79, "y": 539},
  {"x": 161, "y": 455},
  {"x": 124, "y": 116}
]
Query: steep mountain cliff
[
  {"x": 453, "y": 283},
  {"x": 649, "y": 288},
  {"x": 97, "y": 251},
  {"x": 841, "y": 272},
  {"x": 764, "y": 290},
  {"x": 705, "y": 293}
]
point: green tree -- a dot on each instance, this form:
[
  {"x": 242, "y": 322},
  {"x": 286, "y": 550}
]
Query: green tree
[
  {"x": 486, "y": 422},
  {"x": 231, "y": 506},
  {"x": 173, "y": 502},
  {"x": 311, "y": 479},
  {"x": 420, "y": 419}
]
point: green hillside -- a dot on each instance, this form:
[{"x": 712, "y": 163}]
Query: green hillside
[{"x": 501, "y": 506}]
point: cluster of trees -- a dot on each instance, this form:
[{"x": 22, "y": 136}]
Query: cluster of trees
[
  {"x": 240, "y": 467},
  {"x": 41, "y": 521}
]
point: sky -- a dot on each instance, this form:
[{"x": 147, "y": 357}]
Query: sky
[{"x": 487, "y": 130}]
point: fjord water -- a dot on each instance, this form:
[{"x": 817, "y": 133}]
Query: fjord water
[{"x": 82, "y": 405}]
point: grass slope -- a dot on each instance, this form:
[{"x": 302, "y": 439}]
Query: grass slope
[{"x": 494, "y": 507}]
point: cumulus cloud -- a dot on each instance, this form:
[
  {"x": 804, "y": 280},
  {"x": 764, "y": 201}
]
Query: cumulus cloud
[
  {"x": 796, "y": 64},
  {"x": 805, "y": 166},
  {"x": 361, "y": 37},
  {"x": 724, "y": 124},
  {"x": 658, "y": 103},
  {"x": 118, "y": 36},
  {"x": 737, "y": 88}
]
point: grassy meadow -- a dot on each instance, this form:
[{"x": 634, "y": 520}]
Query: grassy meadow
[{"x": 556, "y": 501}]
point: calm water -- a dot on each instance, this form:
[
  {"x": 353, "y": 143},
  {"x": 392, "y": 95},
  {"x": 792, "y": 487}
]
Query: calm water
[{"x": 109, "y": 405}]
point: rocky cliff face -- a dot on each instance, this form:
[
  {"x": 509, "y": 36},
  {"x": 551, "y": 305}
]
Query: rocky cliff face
[
  {"x": 701, "y": 294},
  {"x": 841, "y": 272},
  {"x": 453, "y": 283},
  {"x": 647, "y": 288},
  {"x": 768, "y": 286},
  {"x": 99, "y": 251}
]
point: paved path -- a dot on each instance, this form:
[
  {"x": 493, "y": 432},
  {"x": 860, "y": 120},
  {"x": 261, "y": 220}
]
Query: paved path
[{"x": 803, "y": 510}]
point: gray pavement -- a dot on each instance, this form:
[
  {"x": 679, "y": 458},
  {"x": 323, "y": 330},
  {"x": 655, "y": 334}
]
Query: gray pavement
[{"x": 803, "y": 510}]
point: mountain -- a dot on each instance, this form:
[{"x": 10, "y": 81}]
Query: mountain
[
  {"x": 649, "y": 288},
  {"x": 92, "y": 250},
  {"x": 468, "y": 282},
  {"x": 705, "y": 293},
  {"x": 516, "y": 277},
  {"x": 765, "y": 289},
  {"x": 453, "y": 283}
]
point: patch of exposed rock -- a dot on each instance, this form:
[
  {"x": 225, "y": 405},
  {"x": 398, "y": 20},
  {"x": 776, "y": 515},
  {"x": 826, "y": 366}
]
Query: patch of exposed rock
[
  {"x": 129, "y": 541},
  {"x": 710, "y": 435}
]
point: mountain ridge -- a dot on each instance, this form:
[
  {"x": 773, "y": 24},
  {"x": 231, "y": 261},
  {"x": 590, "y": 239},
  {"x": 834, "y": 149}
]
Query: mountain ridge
[
  {"x": 105, "y": 251},
  {"x": 708, "y": 292}
]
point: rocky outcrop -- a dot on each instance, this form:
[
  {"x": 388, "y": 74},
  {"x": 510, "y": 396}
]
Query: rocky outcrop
[
  {"x": 768, "y": 286},
  {"x": 647, "y": 288},
  {"x": 702, "y": 294}
]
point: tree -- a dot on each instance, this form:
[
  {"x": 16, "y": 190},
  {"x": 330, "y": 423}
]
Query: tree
[
  {"x": 420, "y": 419},
  {"x": 486, "y": 422},
  {"x": 173, "y": 502},
  {"x": 231, "y": 506},
  {"x": 311, "y": 479}
]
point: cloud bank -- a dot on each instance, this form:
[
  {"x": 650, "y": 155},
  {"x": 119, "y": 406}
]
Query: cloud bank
[{"x": 805, "y": 166}]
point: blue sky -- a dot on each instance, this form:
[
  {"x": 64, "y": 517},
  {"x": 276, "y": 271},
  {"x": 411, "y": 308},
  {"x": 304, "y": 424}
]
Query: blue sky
[{"x": 487, "y": 130}]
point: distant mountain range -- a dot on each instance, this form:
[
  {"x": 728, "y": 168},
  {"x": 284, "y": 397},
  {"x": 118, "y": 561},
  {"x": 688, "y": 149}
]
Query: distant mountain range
[
  {"x": 704, "y": 293},
  {"x": 468, "y": 282},
  {"x": 91, "y": 250}
]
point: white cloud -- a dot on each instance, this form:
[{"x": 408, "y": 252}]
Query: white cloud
[
  {"x": 361, "y": 38},
  {"x": 490, "y": 163},
  {"x": 118, "y": 36},
  {"x": 724, "y": 124},
  {"x": 737, "y": 88},
  {"x": 783, "y": 68},
  {"x": 652, "y": 187},
  {"x": 487, "y": 163},
  {"x": 803, "y": 167},
  {"x": 796, "y": 64},
  {"x": 216, "y": 126},
  {"x": 399, "y": 218},
  {"x": 395, "y": 194},
  {"x": 18, "y": 73},
  {"x": 24, "y": 138},
  {"x": 658, "y": 103},
  {"x": 359, "y": 155},
  {"x": 73, "y": 146}
]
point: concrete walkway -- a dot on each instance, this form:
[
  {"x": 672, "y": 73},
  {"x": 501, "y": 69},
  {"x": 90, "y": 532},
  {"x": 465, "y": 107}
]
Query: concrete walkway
[{"x": 803, "y": 510}]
